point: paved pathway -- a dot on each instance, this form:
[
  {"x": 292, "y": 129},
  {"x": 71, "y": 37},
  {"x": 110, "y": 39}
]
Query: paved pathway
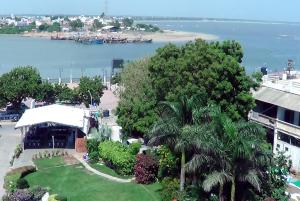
[
  {"x": 88, "y": 167},
  {"x": 8, "y": 142}
]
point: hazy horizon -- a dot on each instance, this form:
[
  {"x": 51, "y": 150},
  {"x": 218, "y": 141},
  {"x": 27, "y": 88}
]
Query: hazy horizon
[{"x": 267, "y": 10}]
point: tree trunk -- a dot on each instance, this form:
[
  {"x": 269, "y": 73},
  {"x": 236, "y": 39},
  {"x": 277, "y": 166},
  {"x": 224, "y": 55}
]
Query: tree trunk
[
  {"x": 233, "y": 190},
  {"x": 221, "y": 197},
  {"x": 182, "y": 171}
]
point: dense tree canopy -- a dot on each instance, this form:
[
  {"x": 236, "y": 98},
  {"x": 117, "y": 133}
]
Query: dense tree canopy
[
  {"x": 46, "y": 93},
  {"x": 137, "y": 100},
  {"x": 212, "y": 68},
  {"x": 18, "y": 84},
  {"x": 76, "y": 24},
  {"x": 209, "y": 69},
  {"x": 127, "y": 22},
  {"x": 97, "y": 24},
  {"x": 90, "y": 87}
]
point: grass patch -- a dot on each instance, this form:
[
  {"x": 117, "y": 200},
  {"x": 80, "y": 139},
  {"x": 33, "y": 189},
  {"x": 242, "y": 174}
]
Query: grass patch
[
  {"x": 77, "y": 185},
  {"x": 107, "y": 170},
  {"x": 48, "y": 163}
]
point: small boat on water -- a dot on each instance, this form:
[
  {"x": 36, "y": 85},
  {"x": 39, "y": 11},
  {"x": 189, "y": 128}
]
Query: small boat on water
[
  {"x": 58, "y": 38},
  {"x": 140, "y": 40},
  {"x": 90, "y": 41},
  {"x": 116, "y": 40}
]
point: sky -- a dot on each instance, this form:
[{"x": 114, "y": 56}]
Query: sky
[{"x": 272, "y": 10}]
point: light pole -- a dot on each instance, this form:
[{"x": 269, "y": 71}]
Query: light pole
[{"x": 91, "y": 97}]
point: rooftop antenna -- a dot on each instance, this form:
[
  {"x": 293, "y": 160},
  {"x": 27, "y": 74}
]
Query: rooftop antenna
[{"x": 106, "y": 7}]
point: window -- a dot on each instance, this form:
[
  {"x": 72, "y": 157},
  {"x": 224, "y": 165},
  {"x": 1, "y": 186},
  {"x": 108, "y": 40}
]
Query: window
[
  {"x": 286, "y": 149},
  {"x": 289, "y": 116}
]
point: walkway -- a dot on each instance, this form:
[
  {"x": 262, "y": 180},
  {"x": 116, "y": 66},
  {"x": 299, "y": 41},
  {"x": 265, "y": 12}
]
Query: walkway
[
  {"x": 88, "y": 167},
  {"x": 9, "y": 138}
]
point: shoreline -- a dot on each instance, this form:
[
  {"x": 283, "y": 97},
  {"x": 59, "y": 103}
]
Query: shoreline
[{"x": 165, "y": 36}]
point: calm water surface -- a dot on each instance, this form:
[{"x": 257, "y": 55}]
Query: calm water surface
[{"x": 271, "y": 44}]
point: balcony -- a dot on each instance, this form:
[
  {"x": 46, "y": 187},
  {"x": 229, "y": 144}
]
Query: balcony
[
  {"x": 270, "y": 122},
  {"x": 262, "y": 119}
]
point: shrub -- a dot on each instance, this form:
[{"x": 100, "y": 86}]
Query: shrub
[
  {"x": 170, "y": 189},
  {"x": 18, "y": 151},
  {"x": 135, "y": 148},
  {"x": 94, "y": 156},
  {"x": 10, "y": 181},
  {"x": 145, "y": 170},
  {"x": 92, "y": 145},
  {"x": 22, "y": 183},
  {"x": 38, "y": 192},
  {"x": 21, "y": 195},
  {"x": 167, "y": 162},
  {"x": 11, "y": 178},
  {"x": 117, "y": 156}
]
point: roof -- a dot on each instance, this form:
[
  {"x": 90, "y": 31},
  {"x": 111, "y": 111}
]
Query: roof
[
  {"x": 60, "y": 114},
  {"x": 108, "y": 27},
  {"x": 277, "y": 97}
]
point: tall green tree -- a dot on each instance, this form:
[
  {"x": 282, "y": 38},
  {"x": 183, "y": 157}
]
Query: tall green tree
[
  {"x": 54, "y": 27},
  {"x": 236, "y": 153},
  {"x": 97, "y": 24},
  {"x": 46, "y": 93},
  {"x": 169, "y": 129},
  {"x": 207, "y": 67},
  {"x": 90, "y": 89},
  {"x": 65, "y": 94},
  {"x": 127, "y": 22},
  {"x": 19, "y": 84},
  {"x": 135, "y": 111},
  {"x": 76, "y": 24}
]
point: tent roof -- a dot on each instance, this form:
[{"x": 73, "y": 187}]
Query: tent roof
[
  {"x": 277, "y": 97},
  {"x": 59, "y": 114}
]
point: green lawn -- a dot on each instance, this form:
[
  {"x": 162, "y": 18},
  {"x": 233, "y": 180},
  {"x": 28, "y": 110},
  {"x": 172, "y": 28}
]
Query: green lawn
[
  {"x": 107, "y": 170},
  {"x": 80, "y": 185}
]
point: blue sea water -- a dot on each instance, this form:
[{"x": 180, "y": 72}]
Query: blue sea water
[{"x": 264, "y": 43}]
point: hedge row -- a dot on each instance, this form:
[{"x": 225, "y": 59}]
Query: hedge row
[{"x": 117, "y": 156}]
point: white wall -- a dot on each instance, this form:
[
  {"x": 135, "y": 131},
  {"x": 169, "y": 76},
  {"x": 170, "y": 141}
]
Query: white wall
[
  {"x": 116, "y": 133},
  {"x": 293, "y": 152}
]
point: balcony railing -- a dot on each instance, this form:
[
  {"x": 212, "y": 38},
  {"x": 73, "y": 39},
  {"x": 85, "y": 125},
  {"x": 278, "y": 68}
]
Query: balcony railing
[
  {"x": 275, "y": 123},
  {"x": 262, "y": 119}
]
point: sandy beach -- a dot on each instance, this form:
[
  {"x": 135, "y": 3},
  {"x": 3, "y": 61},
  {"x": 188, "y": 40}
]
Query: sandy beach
[{"x": 165, "y": 36}]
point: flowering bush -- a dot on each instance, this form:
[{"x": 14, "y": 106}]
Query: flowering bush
[
  {"x": 167, "y": 162},
  {"x": 145, "y": 170},
  {"x": 21, "y": 195}
]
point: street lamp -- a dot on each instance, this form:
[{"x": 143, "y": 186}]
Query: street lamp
[{"x": 91, "y": 97}]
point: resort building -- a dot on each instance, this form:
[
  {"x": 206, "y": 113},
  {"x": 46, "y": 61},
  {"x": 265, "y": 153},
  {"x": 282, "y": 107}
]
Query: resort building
[
  {"x": 278, "y": 110},
  {"x": 54, "y": 126}
]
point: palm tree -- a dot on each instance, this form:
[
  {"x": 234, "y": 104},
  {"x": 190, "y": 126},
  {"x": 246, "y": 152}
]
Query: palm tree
[
  {"x": 233, "y": 151},
  {"x": 174, "y": 117}
]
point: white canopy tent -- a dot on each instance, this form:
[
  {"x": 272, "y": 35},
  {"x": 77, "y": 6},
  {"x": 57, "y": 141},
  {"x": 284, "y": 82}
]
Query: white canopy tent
[{"x": 58, "y": 114}]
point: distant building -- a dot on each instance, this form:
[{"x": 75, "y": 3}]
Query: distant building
[
  {"x": 278, "y": 110},
  {"x": 109, "y": 28}
]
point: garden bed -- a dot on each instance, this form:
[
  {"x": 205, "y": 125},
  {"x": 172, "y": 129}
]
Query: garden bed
[{"x": 73, "y": 182}]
